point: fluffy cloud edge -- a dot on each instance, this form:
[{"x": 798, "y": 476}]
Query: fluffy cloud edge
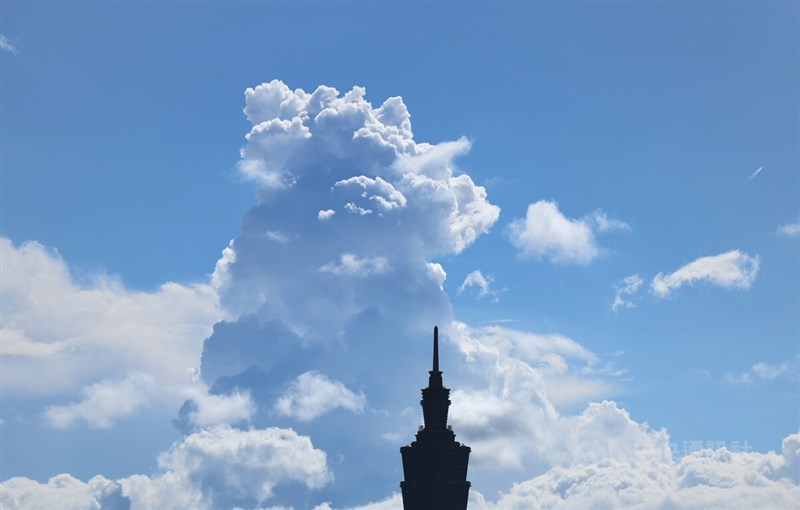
[
  {"x": 313, "y": 394},
  {"x": 212, "y": 468},
  {"x": 733, "y": 269},
  {"x": 703, "y": 479},
  {"x": 546, "y": 233},
  {"x": 60, "y": 335},
  {"x": 104, "y": 403}
]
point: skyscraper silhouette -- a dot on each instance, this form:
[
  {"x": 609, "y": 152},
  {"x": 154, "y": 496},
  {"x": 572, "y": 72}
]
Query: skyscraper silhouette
[{"x": 435, "y": 465}]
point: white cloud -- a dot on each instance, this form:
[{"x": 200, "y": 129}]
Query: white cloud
[
  {"x": 704, "y": 479},
  {"x": 526, "y": 346},
  {"x": 483, "y": 284},
  {"x": 64, "y": 492},
  {"x": 224, "y": 467},
  {"x": 15, "y": 343},
  {"x": 231, "y": 464},
  {"x": 7, "y": 46},
  {"x": 59, "y": 335},
  {"x": 325, "y": 214},
  {"x": 402, "y": 205},
  {"x": 218, "y": 467},
  {"x": 505, "y": 410},
  {"x": 393, "y": 502},
  {"x": 109, "y": 401},
  {"x": 277, "y": 236},
  {"x": 313, "y": 395},
  {"x": 353, "y": 265},
  {"x": 547, "y": 233},
  {"x": 765, "y": 372},
  {"x": 733, "y": 269},
  {"x": 376, "y": 190},
  {"x": 754, "y": 174},
  {"x": 790, "y": 229},
  {"x": 604, "y": 431},
  {"x": 626, "y": 287},
  {"x": 220, "y": 277},
  {"x": 272, "y": 142},
  {"x": 351, "y": 207},
  {"x": 437, "y": 272},
  {"x": 348, "y": 129},
  {"x": 606, "y": 224},
  {"x": 621, "y": 303},
  {"x": 104, "y": 403},
  {"x": 209, "y": 409}
]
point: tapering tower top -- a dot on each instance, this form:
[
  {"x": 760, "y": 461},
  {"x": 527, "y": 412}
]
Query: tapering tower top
[
  {"x": 435, "y": 380},
  {"x": 435, "y": 464},
  {"x": 436, "y": 348}
]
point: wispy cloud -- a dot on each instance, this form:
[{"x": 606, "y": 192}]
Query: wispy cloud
[
  {"x": 626, "y": 287},
  {"x": 754, "y": 174},
  {"x": 606, "y": 224},
  {"x": 765, "y": 372},
  {"x": 7, "y": 46},
  {"x": 482, "y": 284},
  {"x": 495, "y": 181},
  {"x": 353, "y": 265},
  {"x": 789, "y": 230},
  {"x": 731, "y": 269},
  {"x": 104, "y": 403}
]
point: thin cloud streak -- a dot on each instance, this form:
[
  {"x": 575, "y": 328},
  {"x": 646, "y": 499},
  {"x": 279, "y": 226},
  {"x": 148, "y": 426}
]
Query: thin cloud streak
[
  {"x": 7, "y": 46},
  {"x": 765, "y": 372},
  {"x": 754, "y": 174}
]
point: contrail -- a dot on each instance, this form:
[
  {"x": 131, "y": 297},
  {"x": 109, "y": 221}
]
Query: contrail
[{"x": 753, "y": 175}]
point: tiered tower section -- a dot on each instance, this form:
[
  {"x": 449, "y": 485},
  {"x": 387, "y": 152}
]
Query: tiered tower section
[{"x": 435, "y": 465}]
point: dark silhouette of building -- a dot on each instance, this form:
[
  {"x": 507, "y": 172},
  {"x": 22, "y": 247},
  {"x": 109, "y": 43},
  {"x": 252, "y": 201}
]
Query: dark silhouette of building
[{"x": 435, "y": 465}]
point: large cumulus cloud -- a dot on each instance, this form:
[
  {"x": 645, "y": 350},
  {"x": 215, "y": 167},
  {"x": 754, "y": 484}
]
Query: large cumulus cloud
[
  {"x": 390, "y": 204},
  {"x": 335, "y": 280}
]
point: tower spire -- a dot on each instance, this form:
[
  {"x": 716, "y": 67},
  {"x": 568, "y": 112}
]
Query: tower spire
[
  {"x": 435, "y": 380},
  {"x": 436, "y": 348}
]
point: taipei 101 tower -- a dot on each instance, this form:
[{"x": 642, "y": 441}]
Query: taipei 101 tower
[{"x": 435, "y": 465}]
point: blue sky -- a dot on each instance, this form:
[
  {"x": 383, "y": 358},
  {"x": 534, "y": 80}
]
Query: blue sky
[{"x": 575, "y": 155}]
